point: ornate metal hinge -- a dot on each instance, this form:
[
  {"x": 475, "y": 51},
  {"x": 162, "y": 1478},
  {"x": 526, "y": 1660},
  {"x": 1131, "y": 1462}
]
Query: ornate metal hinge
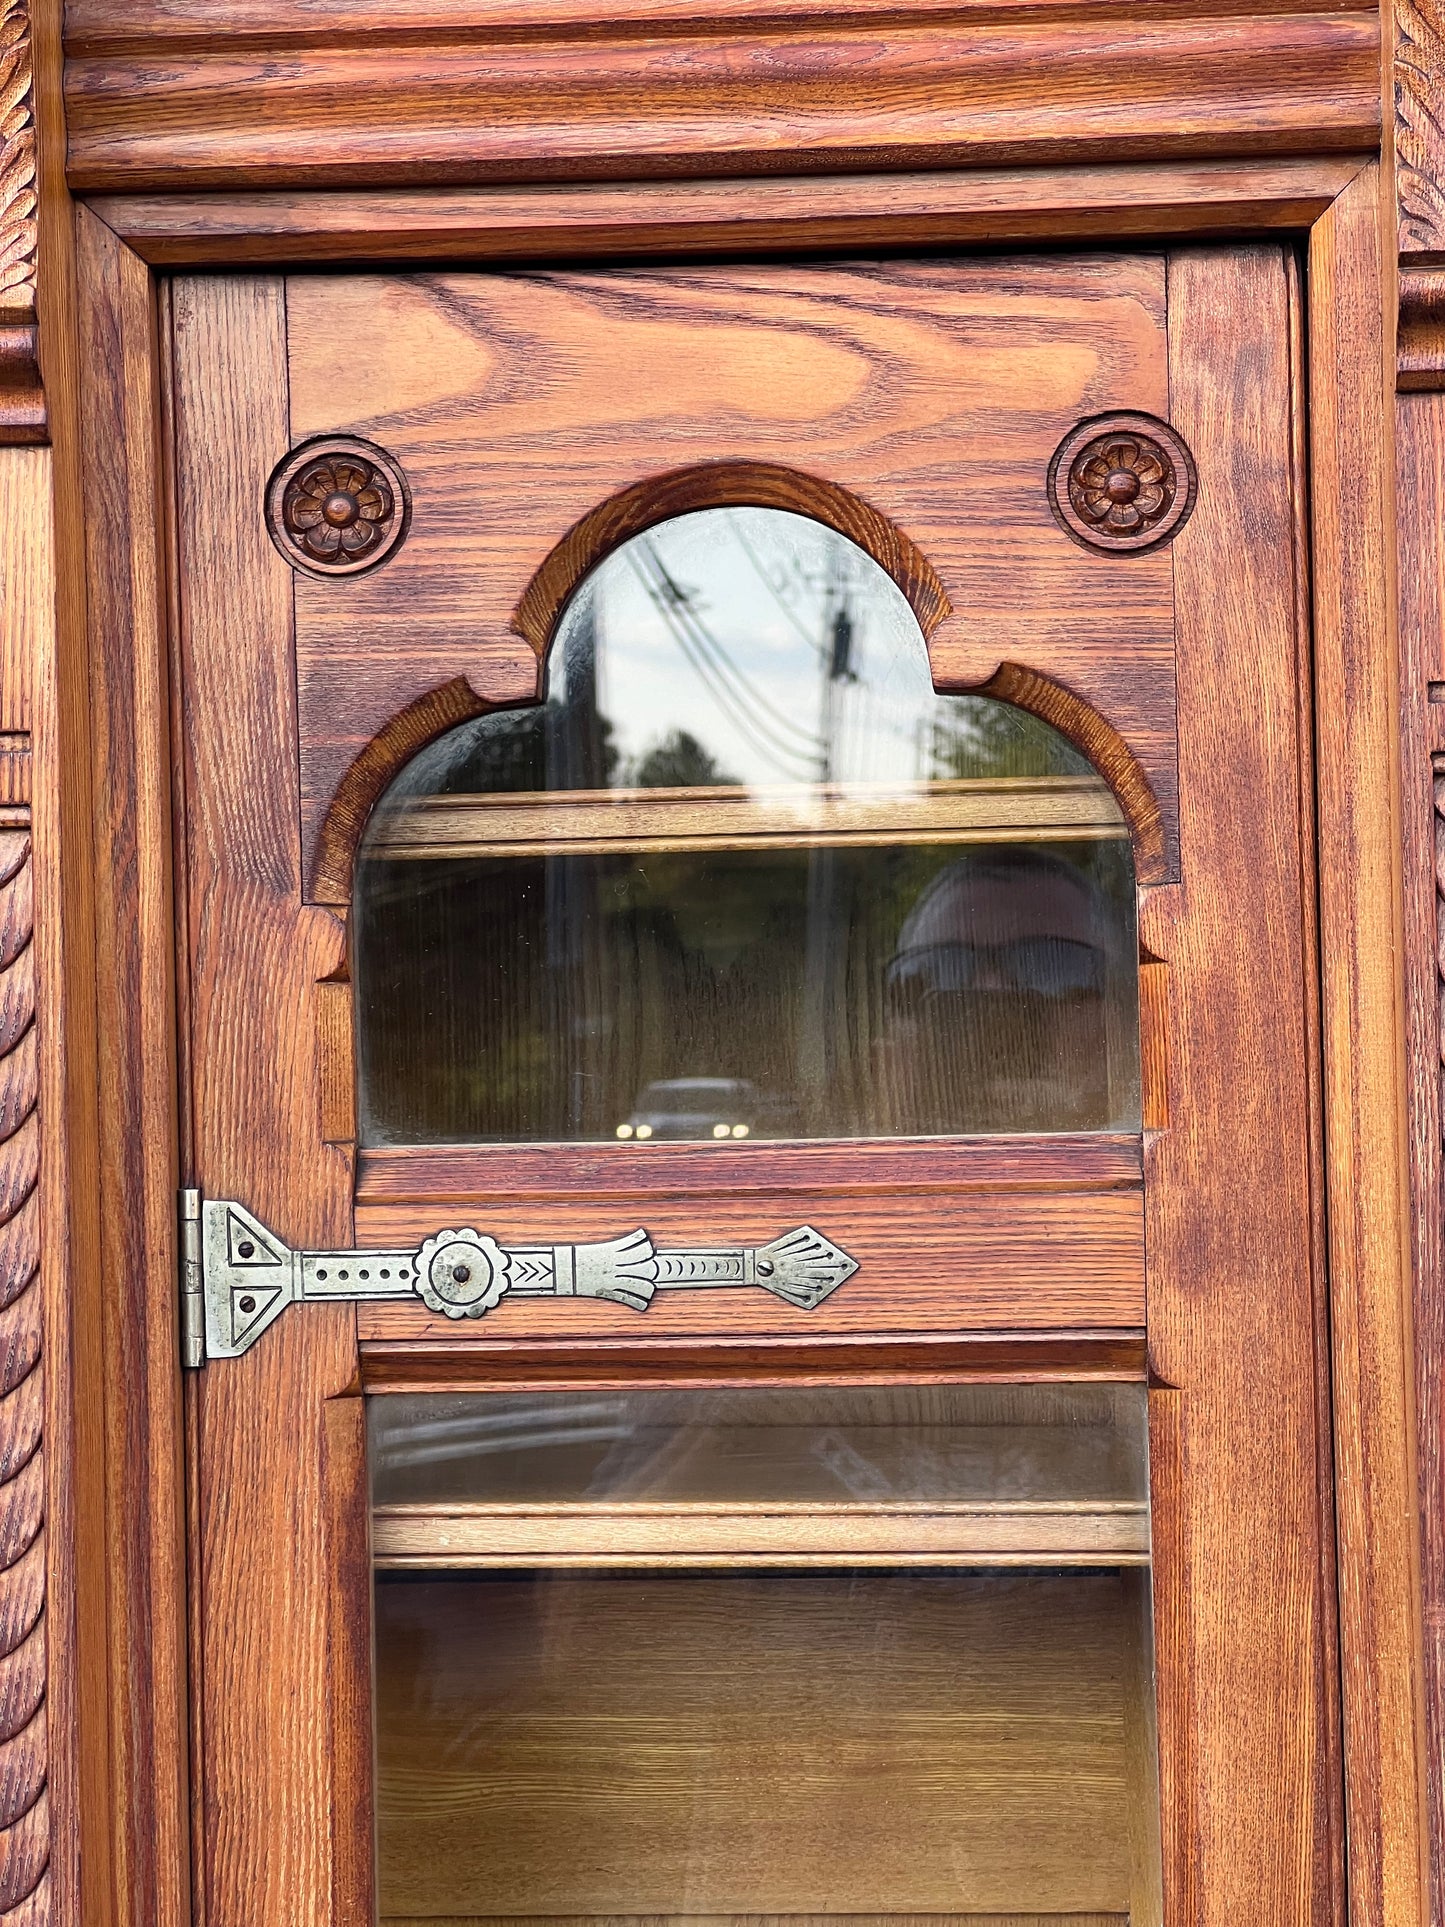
[{"x": 237, "y": 1277}]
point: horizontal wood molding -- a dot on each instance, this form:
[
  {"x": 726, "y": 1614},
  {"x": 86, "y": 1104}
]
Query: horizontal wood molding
[
  {"x": 96, "y": 27},
  {"x": 985, "y": 205},
  {"x": 1033, "y": 1532},
  {"x": 963, "y": 810},
  {"x": 397, "y": 1362},
  {"x": 469, "y": 1174},
  {"x": 185, "y": 101}
]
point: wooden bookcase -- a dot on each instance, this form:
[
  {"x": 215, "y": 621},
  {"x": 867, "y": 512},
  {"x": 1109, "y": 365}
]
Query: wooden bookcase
[{"x": 718, "y": 259}]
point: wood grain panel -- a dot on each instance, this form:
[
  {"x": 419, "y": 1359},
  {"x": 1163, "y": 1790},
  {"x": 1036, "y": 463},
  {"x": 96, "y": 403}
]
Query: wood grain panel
[
  {"x": 1362, "y": 940},
  {"x": 1015, "y": 1262},
  {"x": 272, "y": 1524},
  {"x": 687, "y": 1536},
  {"x": 1228, "y": 1196},
  {"x": 118, "y": 924},
  {"x": 936, "y": 392},
  {"x": 473, "y": 103},
  {"x": 656, "y": 218},
  {"x": 993, "y": 1234},
  {"x": 965, "y": 810},
  {"x": 862, "y": 1743},
  {"x": 433, "y": 1175},
  {"x": 94, "y": 27},
  {"x": 24, "y": 616}
]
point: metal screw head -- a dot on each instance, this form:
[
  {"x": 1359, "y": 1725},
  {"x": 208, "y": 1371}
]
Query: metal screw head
[
  {"x": 248, "y": 1303},
  {"x": 245, "y": 1249},
  {"x": 461, "y": 1273}
]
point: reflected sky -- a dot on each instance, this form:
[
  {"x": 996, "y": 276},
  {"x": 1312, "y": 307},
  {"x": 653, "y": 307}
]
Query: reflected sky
[
  {"x": 787, "y": 652},
  {"x": 738, "y": 646}
]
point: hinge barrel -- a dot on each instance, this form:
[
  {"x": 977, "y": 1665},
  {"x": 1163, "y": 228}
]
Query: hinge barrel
[{"x": 193, "y": 1306}]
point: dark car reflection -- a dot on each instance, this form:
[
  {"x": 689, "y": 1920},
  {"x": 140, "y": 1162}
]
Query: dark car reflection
[{"x": 707, "y": 1107}]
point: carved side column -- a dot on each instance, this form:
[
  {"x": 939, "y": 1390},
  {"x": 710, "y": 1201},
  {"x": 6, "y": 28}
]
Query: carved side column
[
  {"x": 27, "y": 1496},
  {"x": 22, "y": 401},
  {"x": 24, "y": 1805}
]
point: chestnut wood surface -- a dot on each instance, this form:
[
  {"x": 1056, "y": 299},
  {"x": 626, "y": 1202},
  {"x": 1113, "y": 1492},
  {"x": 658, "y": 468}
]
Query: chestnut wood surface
[
  {"x": 443, "y": 1175},
  {"x": 407, "y": 1364},
  {"x": 968, "y": 810},
  {"x": 1229, "y": 1200},
  {"x": 1420, "y": 456},
  {"x": 282, "y": 1506},
  {"x": 1106, "y": 203},
  {"x": 131, "y": 1815},
  {"x": 195, "y": 99},
  {"x": 516, "y": 405},
  {"x": 460, "y": 1536},
  {"x": 997, "y": 1234},
  {"x": 1361, "y": 943}
]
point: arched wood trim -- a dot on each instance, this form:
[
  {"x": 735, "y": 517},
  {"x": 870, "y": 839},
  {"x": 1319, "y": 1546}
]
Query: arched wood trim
[
  {"x": 359, "y": 790},
  {"x": 767, "y": 485},
  {"x": 1105, "y": 748}
]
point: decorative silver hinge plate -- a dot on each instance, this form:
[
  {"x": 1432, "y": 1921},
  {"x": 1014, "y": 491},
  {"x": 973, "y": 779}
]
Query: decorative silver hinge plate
[{"x": 242, "y": 1276}]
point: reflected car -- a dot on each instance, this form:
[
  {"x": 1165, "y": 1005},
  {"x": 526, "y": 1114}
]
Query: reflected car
[{"x": 701, "y": 1107}]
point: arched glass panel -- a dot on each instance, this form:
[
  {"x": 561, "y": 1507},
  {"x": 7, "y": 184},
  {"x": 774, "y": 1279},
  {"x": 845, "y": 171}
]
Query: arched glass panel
[{"x": 744, "y": 874}]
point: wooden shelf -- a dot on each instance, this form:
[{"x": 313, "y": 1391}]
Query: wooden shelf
[
  {"x": 582, "y": 822},
  {"x": 1013, "y": 1533}
]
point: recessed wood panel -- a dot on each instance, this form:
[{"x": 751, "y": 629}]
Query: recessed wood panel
[
  {"x": 994, "y": 1234},
  {"x": 936, "y": 392}
]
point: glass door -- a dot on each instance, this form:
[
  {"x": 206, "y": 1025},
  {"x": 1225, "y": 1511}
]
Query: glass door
[{"x": 748, "y": 955}]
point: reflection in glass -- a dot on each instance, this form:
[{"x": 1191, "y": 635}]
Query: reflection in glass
[
  {"x": 747, "y": 1655},
  {"x": 744, "y": 874}
]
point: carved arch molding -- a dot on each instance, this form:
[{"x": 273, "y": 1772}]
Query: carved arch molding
[{"x": 642, "y": 506}]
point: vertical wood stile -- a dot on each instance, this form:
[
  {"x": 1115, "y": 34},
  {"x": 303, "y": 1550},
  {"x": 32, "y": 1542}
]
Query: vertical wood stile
[
  {"x": 1421, "y": 464},
  {"x": 285, "y": 1834},
  {"x": 133, "y": 1342},
  {"x": 1229, "y": 1201},
  {"x": 1362, "y": 938}
]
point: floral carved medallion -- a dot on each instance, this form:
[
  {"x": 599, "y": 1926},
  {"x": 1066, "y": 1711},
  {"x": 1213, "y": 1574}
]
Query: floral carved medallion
[
  {"x": 1122, "y": 483},
  {"x": 337, "y": 506}
]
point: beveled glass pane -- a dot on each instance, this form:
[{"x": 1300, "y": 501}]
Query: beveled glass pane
[
  {"x": 744, "y": 874},
  {"x": 732, "y": 1656}
]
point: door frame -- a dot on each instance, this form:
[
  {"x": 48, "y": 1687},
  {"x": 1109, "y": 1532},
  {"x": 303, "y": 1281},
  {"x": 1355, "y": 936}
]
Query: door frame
[{"x": 113, "y": 507}]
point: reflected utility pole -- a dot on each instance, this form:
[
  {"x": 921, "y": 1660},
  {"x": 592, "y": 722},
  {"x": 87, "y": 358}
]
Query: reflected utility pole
[{"x": 824, "y": 962}]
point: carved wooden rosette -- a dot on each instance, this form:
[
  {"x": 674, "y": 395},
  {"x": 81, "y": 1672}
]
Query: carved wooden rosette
[{"x": 24, "y": 1808}]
